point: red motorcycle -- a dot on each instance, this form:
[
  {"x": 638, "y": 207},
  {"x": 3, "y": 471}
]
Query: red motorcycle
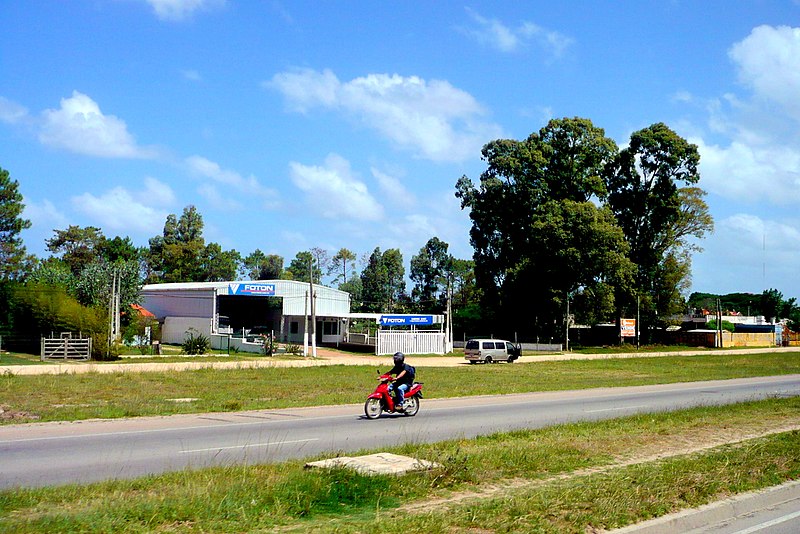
[{"x": 382, "y": 399}]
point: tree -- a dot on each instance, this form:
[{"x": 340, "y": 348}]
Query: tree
[
  {"x": 14, "y": 260},
  {"x": 773, "y": 306},
  {"x": 529, "y": 214},
  {"x": 429, "y": 270},
  {"x": 219, "y": 265},
  {"x": 650, "y": 192},
  {"x": 95, "y": 282},
  {"x": 77, "y": 247},
  {"x": 302, "y": 266},
  {"x": 322, "y": 261},
  {"x": 261, "y": 266},
  {"x": 177, "y": 254},
  {"x": 339, "y": 264},
  {"x": 382, "y": 280},
  {"x": 118, "y": 249}
]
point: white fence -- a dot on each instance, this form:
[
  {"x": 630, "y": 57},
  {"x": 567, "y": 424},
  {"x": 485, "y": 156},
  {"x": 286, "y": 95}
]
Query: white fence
[{"x": 411, "y": 342}]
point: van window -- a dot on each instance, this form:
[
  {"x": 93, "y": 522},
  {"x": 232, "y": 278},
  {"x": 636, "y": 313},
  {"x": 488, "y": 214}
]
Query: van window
[
  {"x": 510, "y": 347},
  {"x": 488, "y": 345},
  {"x": 472, "y": 344},
  {"x": 499, "y": 345}
]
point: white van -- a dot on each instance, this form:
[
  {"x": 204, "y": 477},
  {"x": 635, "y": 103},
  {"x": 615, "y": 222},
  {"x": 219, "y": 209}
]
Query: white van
[{"x": 491, "y": 350}]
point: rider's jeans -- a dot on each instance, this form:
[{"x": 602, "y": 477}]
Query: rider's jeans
[{"x": 401, "y": 393}]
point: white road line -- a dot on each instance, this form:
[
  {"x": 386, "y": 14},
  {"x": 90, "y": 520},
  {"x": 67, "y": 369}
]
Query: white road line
[
  {"x": 617, "y": 409},
  {"x": 268, "y": 444},
  {"x": 768, "y": 524}
]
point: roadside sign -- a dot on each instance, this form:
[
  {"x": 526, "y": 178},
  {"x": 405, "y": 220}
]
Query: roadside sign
[
  {"x": 400, "y": 320},
  {"x": 627, "y": 327}
]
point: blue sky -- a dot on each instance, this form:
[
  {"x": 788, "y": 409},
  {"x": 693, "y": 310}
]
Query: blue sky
[{"x": 293, "y": 125}]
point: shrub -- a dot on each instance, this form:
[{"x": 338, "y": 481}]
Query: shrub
[{"x": 195, "y": 343}]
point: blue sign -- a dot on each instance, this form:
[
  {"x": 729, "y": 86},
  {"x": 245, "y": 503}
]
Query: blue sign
[
  {"x": 263, "y": 290},
  {"x": 403, "y": 320}
]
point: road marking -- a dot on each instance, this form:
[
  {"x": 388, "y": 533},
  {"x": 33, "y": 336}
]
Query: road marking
[
  {"x": 268, "y": 444},
  {"x": 768, "y": 524},
  {"x": 617, "y": 409}
]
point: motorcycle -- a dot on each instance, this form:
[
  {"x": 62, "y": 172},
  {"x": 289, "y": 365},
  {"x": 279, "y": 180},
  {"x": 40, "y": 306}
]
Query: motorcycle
[{"x": 383, "y": 398}]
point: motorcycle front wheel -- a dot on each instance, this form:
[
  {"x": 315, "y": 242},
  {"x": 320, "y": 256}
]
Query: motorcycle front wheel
[
  {"x": 372, "y": 408},
  {"x": 412, "y": 406}
]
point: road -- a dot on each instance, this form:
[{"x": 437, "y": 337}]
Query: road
[{"x": 43, "y": 454}]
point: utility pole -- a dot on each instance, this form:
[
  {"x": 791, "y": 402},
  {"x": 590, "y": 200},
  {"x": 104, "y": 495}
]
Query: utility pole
[
  {"x": 113, "y": 310},
  {"x": 567, "y": 321},
  {"x": 305, "y": 326},
  {"x": 313, "y": 308},
  {"x": 719, "y": 321}
]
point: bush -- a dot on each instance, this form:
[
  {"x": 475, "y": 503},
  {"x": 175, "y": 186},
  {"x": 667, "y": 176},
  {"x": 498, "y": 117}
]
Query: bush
[
  {"x": 39, "y": 310},
  {"x": 195, "y": 343}
]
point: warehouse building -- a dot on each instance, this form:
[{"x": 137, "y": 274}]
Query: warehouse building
[{"x": 227, "y": 312}]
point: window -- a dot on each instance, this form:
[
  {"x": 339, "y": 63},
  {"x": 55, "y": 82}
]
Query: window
[
  {"x": 329, "y": 328},
  {"x": 294, "y": 327}
]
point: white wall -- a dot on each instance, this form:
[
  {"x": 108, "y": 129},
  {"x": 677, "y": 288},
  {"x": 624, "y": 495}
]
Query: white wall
[{"x": 174, "y": 329}]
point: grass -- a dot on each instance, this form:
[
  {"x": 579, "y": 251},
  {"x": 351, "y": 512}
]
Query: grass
[
  {"x": 568, "y": 478},
  {"x": 69, "y": 397}
]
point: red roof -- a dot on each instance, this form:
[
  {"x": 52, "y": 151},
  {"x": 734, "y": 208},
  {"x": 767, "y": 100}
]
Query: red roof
[{"x": 143, "y": 312}]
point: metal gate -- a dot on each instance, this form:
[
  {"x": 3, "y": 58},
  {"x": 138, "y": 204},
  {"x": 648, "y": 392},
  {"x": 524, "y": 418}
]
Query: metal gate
[{"x": 66, "y": 347}]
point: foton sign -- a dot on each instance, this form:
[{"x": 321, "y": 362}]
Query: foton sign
[{"x": 264, "y": 290}]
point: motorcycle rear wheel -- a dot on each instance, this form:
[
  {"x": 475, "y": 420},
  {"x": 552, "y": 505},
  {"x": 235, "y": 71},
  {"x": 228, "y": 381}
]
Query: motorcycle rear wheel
[
  {"x": 412, "y": 406},
  {"x": 372, "y": 408}
]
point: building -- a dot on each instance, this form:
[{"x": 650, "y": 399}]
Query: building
[{"x": 228, "y": 311}]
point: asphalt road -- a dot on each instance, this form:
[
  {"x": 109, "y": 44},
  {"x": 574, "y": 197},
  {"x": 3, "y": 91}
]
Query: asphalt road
[{"x": 43, "y": 454}]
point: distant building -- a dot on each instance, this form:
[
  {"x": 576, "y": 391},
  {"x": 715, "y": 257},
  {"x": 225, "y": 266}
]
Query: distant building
[{"x": 221, "y": 310}]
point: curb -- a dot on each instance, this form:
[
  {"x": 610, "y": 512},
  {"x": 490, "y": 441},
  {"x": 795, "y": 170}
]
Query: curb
[{"x": 709, "y": 514}]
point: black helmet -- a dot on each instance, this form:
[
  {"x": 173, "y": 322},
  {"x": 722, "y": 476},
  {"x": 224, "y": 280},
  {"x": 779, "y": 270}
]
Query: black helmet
[{"x": 399, "y": 358}]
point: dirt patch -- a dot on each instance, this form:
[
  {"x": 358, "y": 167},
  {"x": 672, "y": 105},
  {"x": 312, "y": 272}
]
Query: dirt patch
[{"x": 7, "y": 414}]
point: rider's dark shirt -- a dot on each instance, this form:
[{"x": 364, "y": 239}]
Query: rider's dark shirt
[{"x": 407, "y": 378}]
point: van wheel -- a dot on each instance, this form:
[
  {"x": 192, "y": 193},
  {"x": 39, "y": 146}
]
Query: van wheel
[
  {"x": 511, "y": 359},
  {"x": 488, "y": 359}
]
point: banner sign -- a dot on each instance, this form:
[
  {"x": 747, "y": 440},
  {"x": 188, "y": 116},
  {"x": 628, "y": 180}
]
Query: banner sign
[
  {"x": 627, "y": 327},
  {"x": 263, "y": 290},
  {"x": 402, "y": 320}
]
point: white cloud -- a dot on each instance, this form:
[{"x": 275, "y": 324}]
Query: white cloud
[
  {"x": 11, "y": 112},
  {"x": 334, "y": 192},
  {"x": 120, "y": 210},
  {"x": 757, "y": 156},
  {"x": 233, "y": 183},
  {"x": 156, "y": 193},
  {"x": 394, "y": 189},
  {"x": 44, "y": 214},
  {"x": 176, "y": 10},
  {"x": 495, "y": 34},
  {"x": 79, "y": 126},
  {"x": 216, "y": 199},
  {"x": 433, "y": 118},
  {"x": 191, "y": 75},
  {"x": 768, "y": 61}
]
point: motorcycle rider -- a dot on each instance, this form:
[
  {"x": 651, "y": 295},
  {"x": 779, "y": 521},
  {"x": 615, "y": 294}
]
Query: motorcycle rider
[{"x": 405, "y": 377}]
